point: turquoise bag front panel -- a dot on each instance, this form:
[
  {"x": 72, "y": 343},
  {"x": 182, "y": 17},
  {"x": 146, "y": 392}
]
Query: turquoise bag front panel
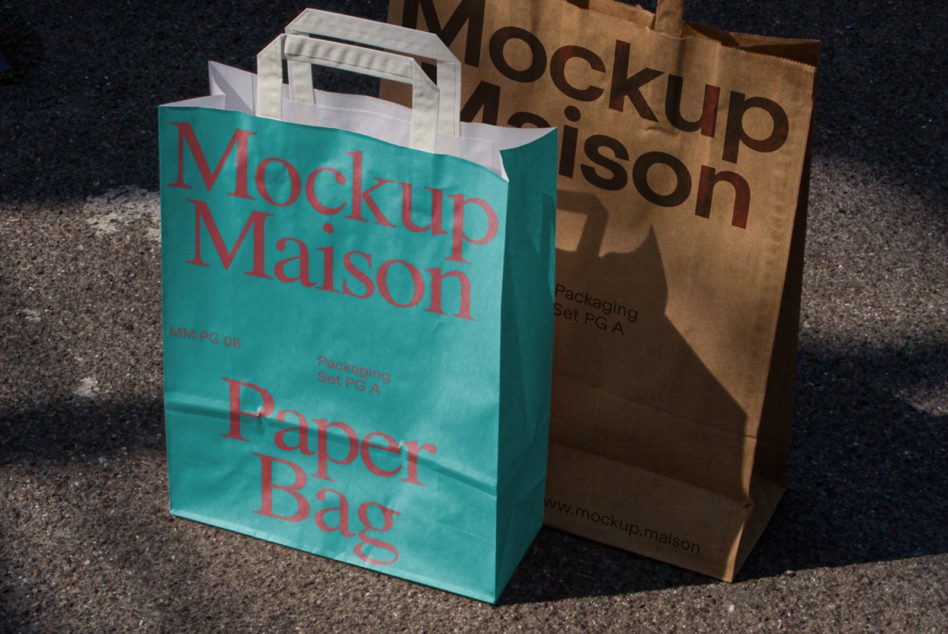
[{"x": 332, "y": 312}]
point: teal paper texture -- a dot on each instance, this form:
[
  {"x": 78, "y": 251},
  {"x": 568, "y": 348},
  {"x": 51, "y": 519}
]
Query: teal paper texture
[{"x": 438, "y": 426}]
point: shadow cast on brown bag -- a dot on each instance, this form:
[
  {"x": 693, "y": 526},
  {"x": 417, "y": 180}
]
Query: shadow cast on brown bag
[{"x": 657, "y": 368}]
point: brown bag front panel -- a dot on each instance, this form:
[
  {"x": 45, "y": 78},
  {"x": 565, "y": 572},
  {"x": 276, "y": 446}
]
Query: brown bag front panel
[{"x": 681, "y": 163}]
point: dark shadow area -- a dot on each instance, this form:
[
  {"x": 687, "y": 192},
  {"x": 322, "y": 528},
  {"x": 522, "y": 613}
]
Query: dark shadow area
[
  {"x": 562, "y": 566},
  {"x": 867, "y": 468},
  {"x": 83, "y": 119},
  {"x": 867, "y": 484},
  {"x": 18, "y": 47},
  {"x": 72, "y": 430}
]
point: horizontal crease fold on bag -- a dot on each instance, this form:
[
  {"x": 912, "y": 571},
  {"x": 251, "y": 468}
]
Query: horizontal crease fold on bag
[
  {"x": 337, "y": 438},
  {"x": 662, "y": 411},
  {"x": 744, "y": 501}
]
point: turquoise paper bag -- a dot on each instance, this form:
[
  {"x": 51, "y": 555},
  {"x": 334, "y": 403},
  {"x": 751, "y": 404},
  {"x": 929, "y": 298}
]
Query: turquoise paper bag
[{"x": 357, "y": 303}]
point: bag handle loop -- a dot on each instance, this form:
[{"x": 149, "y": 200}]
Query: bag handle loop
[
  {"x": 390, "y": 37},
  {"x": 425, "y": 96},
  {"x": 670, "y": 17}
]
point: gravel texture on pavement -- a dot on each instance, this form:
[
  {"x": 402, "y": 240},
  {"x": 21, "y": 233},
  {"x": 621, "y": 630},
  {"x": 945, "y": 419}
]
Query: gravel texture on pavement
[{"x": 859, "y": 542}]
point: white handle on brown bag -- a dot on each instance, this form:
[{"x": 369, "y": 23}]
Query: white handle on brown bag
[
  {"x": 670, "y": 17},
  {"x": 425, "y": 97},
  {"x": 390, "y": 37}
]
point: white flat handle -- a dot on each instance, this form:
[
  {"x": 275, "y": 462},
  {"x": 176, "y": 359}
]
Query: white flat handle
[
  {"x": 390, "y": 37},
  {"x": 365, "y": 61}
]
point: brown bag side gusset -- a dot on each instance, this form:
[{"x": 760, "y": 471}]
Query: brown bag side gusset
[{"x": 684, "y": 162}]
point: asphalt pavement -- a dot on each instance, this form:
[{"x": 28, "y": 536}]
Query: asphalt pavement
[{"x": 859, "y": 542}]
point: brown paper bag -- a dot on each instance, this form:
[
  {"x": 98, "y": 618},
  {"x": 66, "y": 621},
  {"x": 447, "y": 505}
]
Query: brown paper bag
[{"x": 683, "y": 177}]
